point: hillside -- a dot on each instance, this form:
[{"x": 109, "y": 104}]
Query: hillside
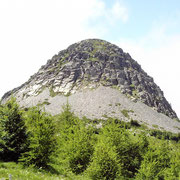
[{"x": 99, "y": 80}]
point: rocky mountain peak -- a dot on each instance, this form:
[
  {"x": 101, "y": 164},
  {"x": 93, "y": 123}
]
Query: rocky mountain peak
[{"x": 89, "y": 64}]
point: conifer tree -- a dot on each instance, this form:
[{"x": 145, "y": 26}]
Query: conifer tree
[
  {"x": 75, "y": 141},
  {"x": 41, "y": 138},
  {"x": 13, "y": 131}
]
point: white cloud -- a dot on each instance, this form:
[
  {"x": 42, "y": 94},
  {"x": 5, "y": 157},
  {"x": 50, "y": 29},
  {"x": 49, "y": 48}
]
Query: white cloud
[{"x": 119, "y": 11}]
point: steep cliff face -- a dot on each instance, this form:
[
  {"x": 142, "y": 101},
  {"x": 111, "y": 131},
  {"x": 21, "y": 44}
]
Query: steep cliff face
[{"x": 89, "y": 64}]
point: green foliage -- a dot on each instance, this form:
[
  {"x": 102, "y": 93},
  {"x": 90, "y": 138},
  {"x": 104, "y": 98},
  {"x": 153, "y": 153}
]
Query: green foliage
[
  {"x": 41, "y": 137},
  {"x": 125, "y": 113},
  {"x": 165, "y": 135},
  {"x": 75, "y": 141},
  {"x": 135, "y": 93},
  {"x": 66, "y": 119},
  {"x": 12, "y": 130},
  {"x": 129, "y": 152},
  {"x": 79, "y": 151},
  {"x": 104, "y": 163},
  {"x": 43, "y": 103},
  {"x": 117, "y": 104},
  {"x": 155, "y": 126},
  {"x": 155, "y": 162},
  {"x": 119, "y": 123},
  {"x": 93, "y": 59},
  {"x": 52, "y": 93},
  {"x": 67, "y": 147},
  {"x": 173, "y": 172}
]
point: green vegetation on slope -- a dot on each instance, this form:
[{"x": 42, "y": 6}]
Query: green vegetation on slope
[{"x": 66, "y": 147}]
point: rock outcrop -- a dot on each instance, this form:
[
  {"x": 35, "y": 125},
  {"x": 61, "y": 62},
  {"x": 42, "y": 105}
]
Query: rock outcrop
[{"x": 89, "y": 64}]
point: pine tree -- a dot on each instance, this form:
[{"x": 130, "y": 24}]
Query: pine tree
[
  {"x": 13, "y": 140},
  {"x": 41, "y": 138},
  {"x": 75, "y": 141}
]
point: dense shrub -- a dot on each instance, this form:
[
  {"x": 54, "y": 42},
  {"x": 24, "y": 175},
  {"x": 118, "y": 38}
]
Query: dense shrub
[
  {"x": 165, "y": 135},
  {"x": 13, "y": 132},
  {"x": 119, "y": 123}
]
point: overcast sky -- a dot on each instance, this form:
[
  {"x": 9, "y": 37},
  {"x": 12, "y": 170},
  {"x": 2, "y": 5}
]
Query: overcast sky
[{"x": 32, "y": 31}]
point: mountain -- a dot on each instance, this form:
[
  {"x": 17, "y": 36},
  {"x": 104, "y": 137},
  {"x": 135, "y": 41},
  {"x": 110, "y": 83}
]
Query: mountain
[{"x": 99, "y": 80}]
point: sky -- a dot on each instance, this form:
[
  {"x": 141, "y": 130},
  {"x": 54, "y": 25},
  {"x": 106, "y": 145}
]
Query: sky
[{"x": 32, "y": 31}]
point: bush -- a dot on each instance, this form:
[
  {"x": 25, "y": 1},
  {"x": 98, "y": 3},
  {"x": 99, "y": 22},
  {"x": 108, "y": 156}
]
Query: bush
[
  {"x": 165, "y": 135},
  {"x": 119, "y": 123},
  {"x": 104, "y": 163},
  {"x": 41, "y": 137},
  {"x": 13, "y": 140}
]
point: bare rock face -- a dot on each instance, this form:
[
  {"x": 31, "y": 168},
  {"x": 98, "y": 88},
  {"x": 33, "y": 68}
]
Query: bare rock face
[{"x": 89, "y": 64}]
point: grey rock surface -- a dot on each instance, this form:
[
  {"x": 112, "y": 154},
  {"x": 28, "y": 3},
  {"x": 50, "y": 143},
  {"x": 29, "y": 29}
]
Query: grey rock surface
[
  {"x": 101, "y": 103},
  {"x": 88, "y": 65}
]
